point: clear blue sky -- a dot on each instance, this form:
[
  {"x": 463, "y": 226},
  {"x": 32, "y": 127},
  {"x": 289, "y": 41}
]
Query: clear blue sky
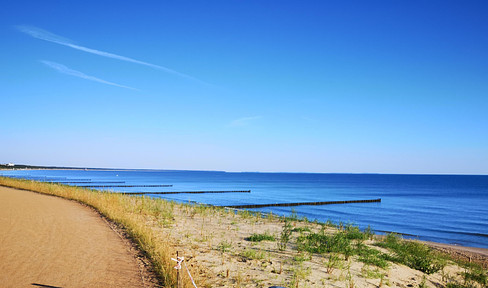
[{"x": 311, "y": 86}]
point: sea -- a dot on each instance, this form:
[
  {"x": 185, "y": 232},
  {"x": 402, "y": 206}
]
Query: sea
[{"x": 450, "y": 209}]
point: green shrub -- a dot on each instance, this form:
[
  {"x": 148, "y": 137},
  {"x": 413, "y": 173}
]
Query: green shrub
[
  {"x": 323, "y": 243},
  {"x": 285, "y": 235},
  {"x": 261, "y": 237},
  {"x": 373, "y": 257},
  {"x": 253, "y": 254},
  {"x": 301, "y": 229},
  {"x": 353, "y": 233},
  {"x": 413, "y": 254}
]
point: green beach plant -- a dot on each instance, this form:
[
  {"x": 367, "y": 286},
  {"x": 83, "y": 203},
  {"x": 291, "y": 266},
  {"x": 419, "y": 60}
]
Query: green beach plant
[
  {"x": 253, "y": 254},
  {"x": 285, "y": 235},
  {"x": 261, "y": 237},
  {"x": 413, "y": 254}
]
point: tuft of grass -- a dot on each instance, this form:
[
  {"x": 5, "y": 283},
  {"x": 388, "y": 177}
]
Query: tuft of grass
[
  {"x": 332, "y": 263},
  {"x": 323, "y": 243},
  {"x": 373, "y": 257},
  {"x": 301, "y": 257},
  {"x": 299, "y": 272},
  {"x": 253, "y": 254},
  {"x": 285, "y": 235},
  {"x": 224, "y": 246},
  {"x": 261, "y": 237},
  {"x": 369, "y": 273},
  {"x": 302, "y": 229},
  {"x": 475, "y": 274},
  {"x": 413, "y": 254}
]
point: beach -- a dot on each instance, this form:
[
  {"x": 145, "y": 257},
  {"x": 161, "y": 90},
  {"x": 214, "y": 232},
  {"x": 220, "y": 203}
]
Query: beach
[
  {"x": 59, "y": 243},
  {"x": 47, "y": 241}
]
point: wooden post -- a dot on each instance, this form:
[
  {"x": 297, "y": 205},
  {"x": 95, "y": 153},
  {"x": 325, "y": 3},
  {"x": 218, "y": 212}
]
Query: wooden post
[{"x": 179, "y": 282}]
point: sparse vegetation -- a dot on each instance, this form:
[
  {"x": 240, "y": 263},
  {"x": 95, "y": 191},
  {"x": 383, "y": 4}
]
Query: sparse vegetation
[
  {"x": 299, "y": 244},
  {"x": 253, "y": 254},
  {"x": 413, "y": 254},
  {"x": 261, "y": 237}
]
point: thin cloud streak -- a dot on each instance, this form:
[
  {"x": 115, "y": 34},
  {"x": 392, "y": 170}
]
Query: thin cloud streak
[
  {"x": 51, "y": 37},
  {"x": 243, "y": 121},
  {"x": 68, "y": 71}
]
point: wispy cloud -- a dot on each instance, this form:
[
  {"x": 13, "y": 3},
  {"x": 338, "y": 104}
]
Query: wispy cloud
[
  {"x": 65, "y": 70},
  {"x": 243, "y": 121},
  {"x": 51, "y": 37}
]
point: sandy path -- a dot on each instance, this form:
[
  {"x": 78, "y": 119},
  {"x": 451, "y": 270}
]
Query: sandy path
[{"x": 51, "y": 242}]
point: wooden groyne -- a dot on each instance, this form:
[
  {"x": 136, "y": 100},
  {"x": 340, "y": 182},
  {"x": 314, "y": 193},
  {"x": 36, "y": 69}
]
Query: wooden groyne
[
  {"x": 87, "y": 182},
  {"x": 122, "y": 186},
  {"x": 182, "y": 192},
  {"x": 301, "y": 204}
]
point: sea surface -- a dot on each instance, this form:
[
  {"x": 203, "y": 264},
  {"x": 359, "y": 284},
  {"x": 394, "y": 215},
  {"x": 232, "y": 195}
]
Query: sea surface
[{"x": 449, "y": 209}]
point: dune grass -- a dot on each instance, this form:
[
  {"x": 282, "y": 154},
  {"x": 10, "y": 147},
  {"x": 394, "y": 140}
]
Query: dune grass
[{"x": 128, "y": 212}]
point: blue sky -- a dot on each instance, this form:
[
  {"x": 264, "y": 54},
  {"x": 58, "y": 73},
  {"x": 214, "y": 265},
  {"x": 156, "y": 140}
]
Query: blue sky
[{"x": 309, "y": 86}]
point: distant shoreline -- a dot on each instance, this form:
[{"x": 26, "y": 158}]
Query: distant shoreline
[{"x": 35, "y": 167}]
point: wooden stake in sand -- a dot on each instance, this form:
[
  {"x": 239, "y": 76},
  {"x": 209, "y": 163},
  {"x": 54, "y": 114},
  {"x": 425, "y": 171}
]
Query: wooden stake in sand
[{"x": 179, "y": 282}]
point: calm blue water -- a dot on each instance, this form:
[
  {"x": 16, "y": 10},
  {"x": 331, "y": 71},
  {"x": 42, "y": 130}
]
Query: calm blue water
[{"x": 443, "y": 208}]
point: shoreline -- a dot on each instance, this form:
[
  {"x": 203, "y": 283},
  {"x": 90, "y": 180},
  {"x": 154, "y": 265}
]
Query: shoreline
[
  {"x": 218, "y": 252},
  {"x": 449, "y": 236},
  {"x": 469, "y": 254}
]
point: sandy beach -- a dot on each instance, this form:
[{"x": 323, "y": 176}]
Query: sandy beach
[
  {"x": 47, "y": 241},
  {"x": 218, "y": 242},
  {"x": 51, "y": 242}
]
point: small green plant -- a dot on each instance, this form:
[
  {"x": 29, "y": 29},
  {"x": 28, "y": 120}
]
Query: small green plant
[
  {"x": 349, "y": 279},
  {"x": 302, "y": 229},
  {"x": 374, "y": 257},
  {"x": 369, "y": 233},
  {"x": 293, "y": 216},
  {"x": 330, "y": 223},
  {"x": 423, "y": 284},
  {"x": 475, "y": 275},
  {"x": 299, "y": 273},
  {"x": 332, "y": 263},
  {"x": 253, "y": 254},
  {"x": 301, "y": 257},
  {"x": 353, "y": 233},
  {"x": 224, "y": 246},
  {"x": 285, "y": 236},
  {"x": 261, "y": 237}
]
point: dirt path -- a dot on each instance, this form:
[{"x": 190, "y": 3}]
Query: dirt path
[{"x": 51, "y": 242}]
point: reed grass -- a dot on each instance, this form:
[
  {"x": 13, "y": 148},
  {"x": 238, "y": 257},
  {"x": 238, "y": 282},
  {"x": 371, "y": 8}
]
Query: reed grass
[{"x": 132, "y": 214}]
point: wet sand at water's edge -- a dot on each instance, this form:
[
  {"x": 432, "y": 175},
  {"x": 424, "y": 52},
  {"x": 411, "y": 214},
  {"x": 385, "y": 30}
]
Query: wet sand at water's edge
[{"x": 47, "y": 241}]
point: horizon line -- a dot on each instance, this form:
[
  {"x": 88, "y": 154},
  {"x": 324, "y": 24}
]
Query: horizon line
[{"x": 54, "y": 167}]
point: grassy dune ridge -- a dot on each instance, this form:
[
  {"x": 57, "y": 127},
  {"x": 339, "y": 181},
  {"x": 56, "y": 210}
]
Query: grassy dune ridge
[{"x": 226, "y": 248}]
